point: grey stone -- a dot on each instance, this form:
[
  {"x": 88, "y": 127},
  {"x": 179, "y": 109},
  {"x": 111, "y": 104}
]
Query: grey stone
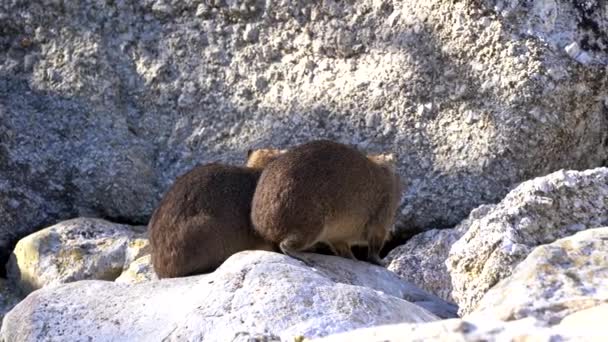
[
  {"x": 421, "y": 260},
  {"x": 94, "y": 126},
  {"x": 575, "y": 24},
  {"x": 251, "y": 34},
  {"x": 73, "y": 250},
  {"x": 554, "y": 281},
  {"x": 361, "y": 274},
  {"x": 536, "y": 212},
  {"x": 252, "y": 293},
  {"x": 586, "y": 320},
  {"x": 577, "y": 328}
]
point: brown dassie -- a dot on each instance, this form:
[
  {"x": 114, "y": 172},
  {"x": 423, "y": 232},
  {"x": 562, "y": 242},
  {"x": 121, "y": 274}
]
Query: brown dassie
[
  {"x": 324, "y": 191},
  {"x": 204, "y": 217}
]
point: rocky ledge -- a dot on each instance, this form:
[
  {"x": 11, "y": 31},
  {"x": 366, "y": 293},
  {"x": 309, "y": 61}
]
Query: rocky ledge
[
  {"x": 550, "y": 283},
  {"x": 252, "y": 293},
  {"x": 104, "y": 103}
]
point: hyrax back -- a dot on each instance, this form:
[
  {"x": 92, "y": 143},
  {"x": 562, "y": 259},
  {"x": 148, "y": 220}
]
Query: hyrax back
[
  {"x": 204, "y": 218},
  {"x": 325, "y": 191}
]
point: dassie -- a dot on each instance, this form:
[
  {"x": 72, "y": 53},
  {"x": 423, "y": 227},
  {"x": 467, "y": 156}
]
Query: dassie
[
  {"x": 204, "y": 217},
  {"x": 324, "y": 191}
]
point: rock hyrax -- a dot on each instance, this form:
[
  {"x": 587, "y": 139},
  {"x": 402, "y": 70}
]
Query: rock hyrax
[
  {"x": 204, "y": 217},
  {"x": 324, "y": 191}
]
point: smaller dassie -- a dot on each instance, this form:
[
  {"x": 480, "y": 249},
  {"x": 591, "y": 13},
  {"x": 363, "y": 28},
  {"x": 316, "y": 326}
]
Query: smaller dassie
[
  {"x": 204, "y": 217},
  {"x": 324, "y": 191}
]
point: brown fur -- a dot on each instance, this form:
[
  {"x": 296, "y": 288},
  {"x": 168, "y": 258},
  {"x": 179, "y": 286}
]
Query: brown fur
[
  {"x": 204, "y": 217},
  {"x": 328, "y": 192},
  {"x": 259, "y": 158}
]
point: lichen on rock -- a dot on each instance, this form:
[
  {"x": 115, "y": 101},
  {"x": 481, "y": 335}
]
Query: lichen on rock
[
  {"x": 82, "y": 248},
  {"x": 554, "y": 281},
  {"x": 138, "y": 271}
]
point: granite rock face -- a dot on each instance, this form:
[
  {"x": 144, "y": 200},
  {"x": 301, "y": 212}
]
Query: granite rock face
[
  {"x": 555, "y": 280},
  {"x": 103, "y": 104},
  {"x": 579, "y": 28},
  {"x": 537, "y": 212},
  {"x": 252, "y": 293},
  {"x": 77, "y": 249}
]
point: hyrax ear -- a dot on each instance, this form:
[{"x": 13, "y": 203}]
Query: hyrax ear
[{"x": 249, "y": 152}]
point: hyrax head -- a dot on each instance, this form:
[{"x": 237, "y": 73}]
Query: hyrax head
[
  {"x": 259, "y": 158},
  {"x": 388, "y": 161}
]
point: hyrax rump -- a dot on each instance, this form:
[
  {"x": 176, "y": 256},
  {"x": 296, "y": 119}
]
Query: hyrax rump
[
  {"x": 204, "y": 217},
  {"x": 324, "y": 191}
]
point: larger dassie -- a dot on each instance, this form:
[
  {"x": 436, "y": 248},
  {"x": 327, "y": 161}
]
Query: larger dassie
[
  {"x": 204, "y": 217},
  {"x": 324, "y": 191}
]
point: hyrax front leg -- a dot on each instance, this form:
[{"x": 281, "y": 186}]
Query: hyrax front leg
[
  {"x": 377, "y": 232},
  {"x": 373, "y": 250}
]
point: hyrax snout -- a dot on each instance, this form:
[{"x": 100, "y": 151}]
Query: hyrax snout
[
  {"x": 324, "y": 191},
  {"x": 204, "y": 217}
]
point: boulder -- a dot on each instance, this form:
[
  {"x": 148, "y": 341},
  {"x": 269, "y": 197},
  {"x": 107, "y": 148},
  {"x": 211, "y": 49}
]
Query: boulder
[
  {"x": 587, "y": 320},
  {"x": 575, "y": 327},
  {"x": 103, "y": 104},
  {"x": 536, "y": 212},
  {"x": 361, "y": 274},
  {"x": 421, "y": 260},
  {"x": 450, "y": 330},
  {"x": 81, "y": 248},
  {"x": 554, "y": 281},
  {"x": 254, "y": 293},
  {"x": 138, "y": 271}
]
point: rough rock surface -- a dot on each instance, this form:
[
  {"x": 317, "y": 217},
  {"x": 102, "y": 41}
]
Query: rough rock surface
[
  {"x": 361, "y": 274},
  {"x": 585, "y": 325},
  {"x": 421, "y": 260},
  {"x": 103, "y": 104},
  {"x": 537, "y": 212},
  {"x": 252, "y": 293},
  {"x": 8, "y": 298},
  {"x": 554, "y": 281},
  {"x": 578, "y": 27},
  {"x": 82, "y": 248},
  {"x": 138, "y": 271},
  {"x": 586, "y": 319}
]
